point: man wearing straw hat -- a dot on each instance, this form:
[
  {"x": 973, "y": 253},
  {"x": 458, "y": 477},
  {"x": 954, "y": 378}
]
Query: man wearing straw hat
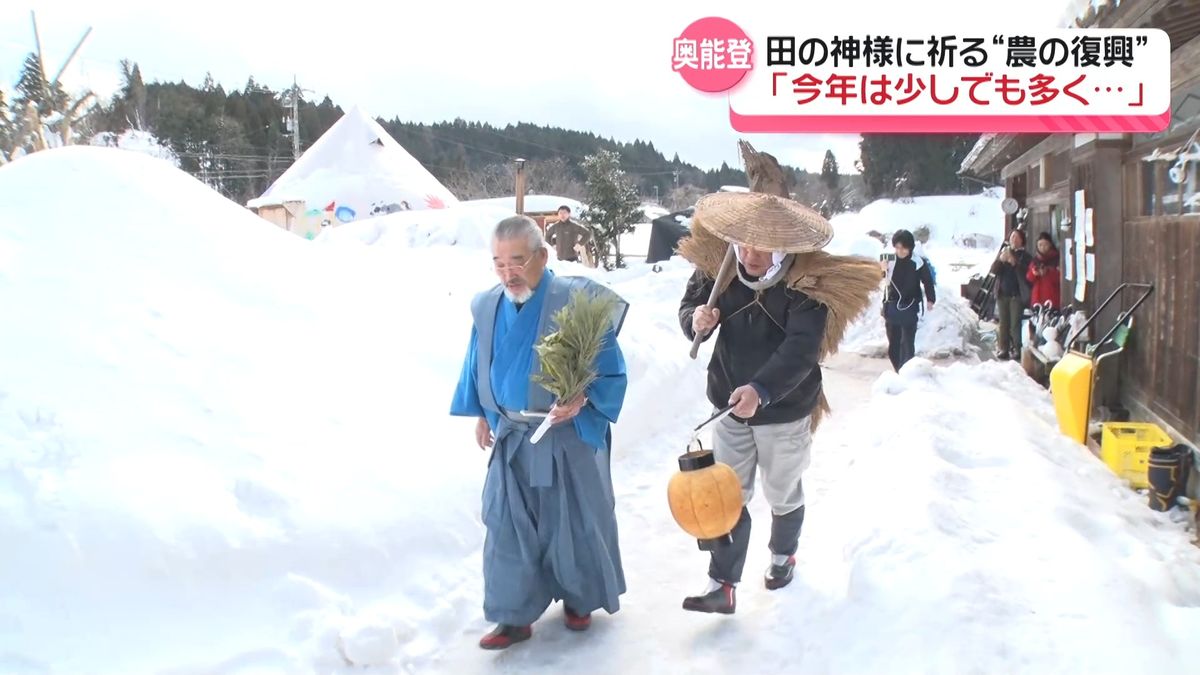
[{"x": 778, "y": 301}]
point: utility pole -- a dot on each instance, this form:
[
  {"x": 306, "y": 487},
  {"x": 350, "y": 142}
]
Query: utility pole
[
  {"x": 295, "y": 119},
  {"x": 676, "y": 172},
  {"x": 291, "y": 99}
]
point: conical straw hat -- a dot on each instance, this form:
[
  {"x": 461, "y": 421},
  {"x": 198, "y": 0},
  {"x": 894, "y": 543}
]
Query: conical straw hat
[{"x": 763, "y": 221}]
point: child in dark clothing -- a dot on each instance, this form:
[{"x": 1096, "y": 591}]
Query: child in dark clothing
[{"x": 902, "y": 298}]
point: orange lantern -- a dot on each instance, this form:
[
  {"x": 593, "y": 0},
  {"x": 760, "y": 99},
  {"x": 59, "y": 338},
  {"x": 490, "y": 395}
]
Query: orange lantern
[{"x": 705, "y": 498}]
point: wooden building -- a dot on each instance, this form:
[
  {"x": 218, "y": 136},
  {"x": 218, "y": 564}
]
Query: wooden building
[{"x": 1141, "y": 190}]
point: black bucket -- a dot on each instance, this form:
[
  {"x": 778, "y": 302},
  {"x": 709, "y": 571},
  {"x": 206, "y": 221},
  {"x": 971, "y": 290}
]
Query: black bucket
[{"x": 1168, "y": 475}]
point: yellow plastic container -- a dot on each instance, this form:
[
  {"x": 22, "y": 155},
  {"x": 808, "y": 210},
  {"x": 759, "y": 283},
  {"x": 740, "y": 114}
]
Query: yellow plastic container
[
  {"x": 1125, "y": 447},
  {"x": 1071, "y": 389}
]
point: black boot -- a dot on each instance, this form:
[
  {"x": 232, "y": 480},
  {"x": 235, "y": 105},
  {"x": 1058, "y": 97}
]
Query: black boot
[
  {"x": 722, "y": 600},
  {"x": 778, "y": 576}
]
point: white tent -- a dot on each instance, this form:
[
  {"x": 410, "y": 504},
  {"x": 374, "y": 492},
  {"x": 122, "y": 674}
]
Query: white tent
[{"x": 356, "y": 170}]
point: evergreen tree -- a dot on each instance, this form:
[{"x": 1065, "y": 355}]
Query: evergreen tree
[
  {"x": 928, "y": 163},
  {"x": 612, "y": 203},
  {"x": 33, "y": 90},
  {"x": 833, "y": 186},
  {"x": 6, "y": 126},
  {"x": 130, "y": 106}
]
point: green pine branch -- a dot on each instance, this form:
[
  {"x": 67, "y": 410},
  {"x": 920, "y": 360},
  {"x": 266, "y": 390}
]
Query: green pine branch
[{"x": 568, "y": 355}]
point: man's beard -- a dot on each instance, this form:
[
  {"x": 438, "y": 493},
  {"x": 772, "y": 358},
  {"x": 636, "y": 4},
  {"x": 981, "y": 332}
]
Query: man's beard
[{"x": 519, "y": 297}]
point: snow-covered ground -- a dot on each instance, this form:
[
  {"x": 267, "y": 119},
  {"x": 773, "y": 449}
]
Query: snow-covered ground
[{"x": 225, "y": 449}]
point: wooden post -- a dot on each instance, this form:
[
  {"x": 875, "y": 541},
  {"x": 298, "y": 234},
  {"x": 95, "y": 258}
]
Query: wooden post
[
  {"x": 723, "y": 275},
  {"x": 520, "y": 186}
]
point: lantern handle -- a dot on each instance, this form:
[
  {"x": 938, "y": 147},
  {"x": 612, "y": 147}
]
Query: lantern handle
[
  {"x": 696, "y": 432},
  {"x": 719, "y": 415}
]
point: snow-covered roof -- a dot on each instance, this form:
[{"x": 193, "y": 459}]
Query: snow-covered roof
[
  {"x": 275, "y": 200},
  {"x": 734, "y": 188},
  {"x": 357, "y": 164},
  {"x": 973, "y": 155},
  {"x": 1078, "y": 10}
]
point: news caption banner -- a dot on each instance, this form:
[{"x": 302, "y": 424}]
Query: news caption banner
[{"x": 1060, "y": 80}]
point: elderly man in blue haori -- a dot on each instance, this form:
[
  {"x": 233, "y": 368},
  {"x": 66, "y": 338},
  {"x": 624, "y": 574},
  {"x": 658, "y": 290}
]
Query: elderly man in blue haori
[{"x": 548, "y": 508}]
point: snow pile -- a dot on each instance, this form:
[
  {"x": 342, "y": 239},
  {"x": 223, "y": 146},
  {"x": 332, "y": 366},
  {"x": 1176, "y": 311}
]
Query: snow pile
[
  {"x": 357, "y": 165},
  {"x": 951, "y": 328},
  {"x": 533, "y": 204},
  {"x": 137, "y": 141},
  {"x": 652, "y": 211},
  {"x": 468, "y": 225},
  {"x": 970, "y": 536},
  {"x": 224, "y": 448},
  {"x": 964, "y": 231},
  {"x": 950, "y": 219}
]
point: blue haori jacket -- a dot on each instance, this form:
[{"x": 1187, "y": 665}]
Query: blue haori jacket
[{"x": 500, "y": 362}]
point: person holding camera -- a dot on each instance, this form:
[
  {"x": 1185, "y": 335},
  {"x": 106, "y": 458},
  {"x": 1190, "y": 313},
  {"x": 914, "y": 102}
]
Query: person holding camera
[
  {"x": 906, "y": 274},
  {"x": 1012, "y": 294}
]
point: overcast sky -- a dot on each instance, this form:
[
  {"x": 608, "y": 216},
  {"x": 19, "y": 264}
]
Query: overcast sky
[{"x": 600, "y": 67}]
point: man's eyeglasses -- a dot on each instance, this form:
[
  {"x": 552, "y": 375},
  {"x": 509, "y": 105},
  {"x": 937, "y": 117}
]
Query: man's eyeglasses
[{"x": 511, "y": 267}]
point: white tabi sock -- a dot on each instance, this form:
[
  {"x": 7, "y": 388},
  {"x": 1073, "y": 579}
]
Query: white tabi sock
[
  {"x": 779, "y": 560},
  {"x": 714, "y": 585}
]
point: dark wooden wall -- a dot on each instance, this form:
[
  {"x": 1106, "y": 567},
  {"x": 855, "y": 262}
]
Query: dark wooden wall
[{"x": 1164, "y": 363}]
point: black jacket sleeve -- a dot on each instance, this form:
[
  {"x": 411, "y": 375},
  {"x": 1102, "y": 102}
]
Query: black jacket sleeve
[
  {"x": 927, "y": 282},
  {"x": 797, "y": 355},
  {"x": 699, "y": 287}
]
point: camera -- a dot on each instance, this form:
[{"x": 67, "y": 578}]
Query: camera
[{"x": 887, "y": 257}]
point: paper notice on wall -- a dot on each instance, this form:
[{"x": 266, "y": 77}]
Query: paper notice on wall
[
  {"x": 1080, "y": 288},
  {"x": 1080, "y": 257},
  {"x": 1089, "y": 228},
  {"x": 1068, "y": 260},
  {"x": 1090, "y": 267},
  {"x": 1078, "y": 216}
]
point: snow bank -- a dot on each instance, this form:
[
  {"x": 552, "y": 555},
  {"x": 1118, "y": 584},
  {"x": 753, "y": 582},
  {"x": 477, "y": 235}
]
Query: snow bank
[
  {"x": 467, "y": 225},
  {"x": 533, "y": 204},
  {"x": 137, "y": 141},
  {"x": 970, "y": 536},
  {"x": 225, "y": 448},
  {"x": 951, "y": 219},
  {"x": 951, "y": 328},
  {"x": 208, "y": 426}
]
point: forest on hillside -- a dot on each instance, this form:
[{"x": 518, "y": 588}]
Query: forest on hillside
[{"x": 239, "y": 141}]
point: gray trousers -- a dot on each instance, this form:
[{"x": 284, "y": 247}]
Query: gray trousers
[{"x": 782, "y": 452}]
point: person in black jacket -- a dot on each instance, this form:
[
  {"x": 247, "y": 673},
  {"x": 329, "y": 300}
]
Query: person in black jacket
[
  {"x": 902, "y": 298},
  {"x": 1012, "y": 294},
  {"x": 764, "y": 364}
]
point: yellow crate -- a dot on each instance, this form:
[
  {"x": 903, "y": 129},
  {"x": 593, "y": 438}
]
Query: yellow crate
[{"x": 1125, "y": 447}]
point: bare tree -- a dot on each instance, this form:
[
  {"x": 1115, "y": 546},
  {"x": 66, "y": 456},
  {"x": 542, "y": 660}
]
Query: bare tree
[
  {"x": 553, "y": 177},
  {"x": 683, "y": 197}
]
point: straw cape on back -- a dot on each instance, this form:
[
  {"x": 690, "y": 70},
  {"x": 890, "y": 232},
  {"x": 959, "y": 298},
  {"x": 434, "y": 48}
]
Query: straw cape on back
[{"x": 842, "y": 283}]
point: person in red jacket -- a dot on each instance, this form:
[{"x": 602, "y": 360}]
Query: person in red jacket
[{"x": 1043, "y": 274}]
